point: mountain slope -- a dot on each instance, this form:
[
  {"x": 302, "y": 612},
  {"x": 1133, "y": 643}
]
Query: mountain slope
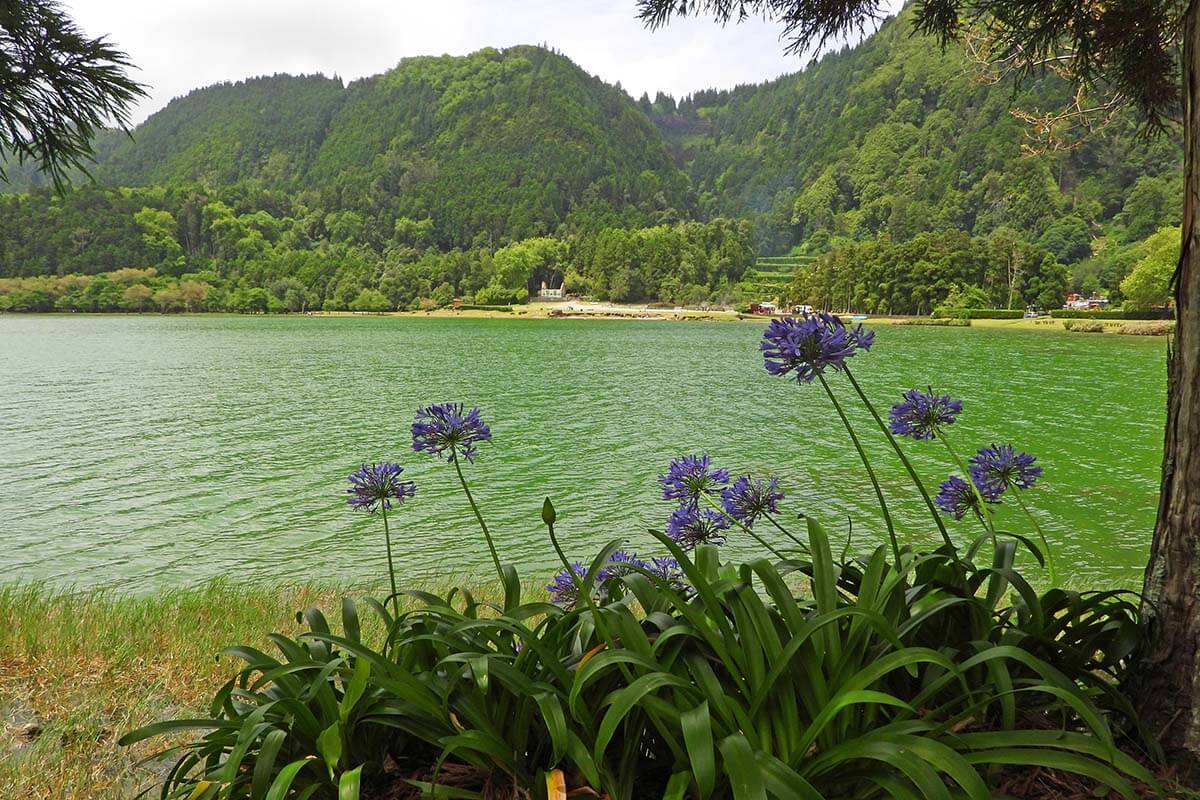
[
  {"x": 499, "y": 142},
  {"x": 267, "y": 129},
  {"x": 893, "y": 137},
  {"x": 497, "y": 145}
]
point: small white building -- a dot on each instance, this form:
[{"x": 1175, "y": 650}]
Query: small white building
[{"x": 546, "y": 293}]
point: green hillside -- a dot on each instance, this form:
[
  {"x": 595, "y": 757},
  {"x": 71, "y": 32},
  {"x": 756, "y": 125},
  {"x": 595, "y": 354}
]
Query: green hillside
[
  {"x": 498, "y": 145},
  {"x": 895, "y": 137},
  {"x": 267, "y": 129},
  {"x": 894, "y": 177}
]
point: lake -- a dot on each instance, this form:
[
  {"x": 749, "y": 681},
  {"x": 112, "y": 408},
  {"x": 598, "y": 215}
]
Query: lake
[{"x": 140, "y": 452}]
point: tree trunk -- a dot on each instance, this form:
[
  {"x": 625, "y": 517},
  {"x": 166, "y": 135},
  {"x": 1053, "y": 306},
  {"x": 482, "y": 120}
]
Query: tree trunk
[{"x": 1167, "y": 688}]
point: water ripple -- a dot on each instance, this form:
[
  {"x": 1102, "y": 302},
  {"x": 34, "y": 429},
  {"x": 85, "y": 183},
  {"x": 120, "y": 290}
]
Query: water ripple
[{"x": 157, "y": 451}]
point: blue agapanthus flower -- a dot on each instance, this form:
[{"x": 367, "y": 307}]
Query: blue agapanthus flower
[
  {"x": 999, "y": 467},
  {"x": 956, "y": 497},
  {"x": 446, "y": 429},
  {"x": 690, "y": 527},
  {"x": 689, "y": 477},
  {"x": 375, "y": 485},
  {"x": 565, "y": 593},
  {"x": 621, "y": 563},
  {"x": 747, "y": 500},
  {"x": 921, "y": 413},
  {"x": 668, "y": 569},
  {"x": 810, "y": 344},
  {"x": 563, "y": 589}
]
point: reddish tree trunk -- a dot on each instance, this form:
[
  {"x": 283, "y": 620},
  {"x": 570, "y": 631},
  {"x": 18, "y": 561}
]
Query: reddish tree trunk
[{"x": 1167, "y": 687}]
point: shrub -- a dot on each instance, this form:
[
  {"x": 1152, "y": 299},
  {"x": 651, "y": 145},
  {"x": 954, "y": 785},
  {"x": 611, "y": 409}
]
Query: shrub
[
  {"x": 1148, "y": 329},
  {"x": 905, "y": 673},
  {"x": 494, "y": 295},
  {"x": 1084, "y": 325},
  {"x": 932, "y": 321}
]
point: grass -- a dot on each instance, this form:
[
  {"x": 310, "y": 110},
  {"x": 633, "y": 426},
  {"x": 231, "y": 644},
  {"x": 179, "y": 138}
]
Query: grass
[{"x": 83, "y": 669}]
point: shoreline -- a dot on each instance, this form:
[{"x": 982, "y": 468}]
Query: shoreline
[{"x": 601, "y": 311}]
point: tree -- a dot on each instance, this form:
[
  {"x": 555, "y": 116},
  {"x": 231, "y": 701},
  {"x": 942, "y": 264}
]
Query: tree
[
  {"x": 1144, "y": 53},
  {"x": 1149, "y": 284},
  {"x": 57, "y": 87},
  {"x": 137, "y": 297},
  {"x": 370, "y": 300}
]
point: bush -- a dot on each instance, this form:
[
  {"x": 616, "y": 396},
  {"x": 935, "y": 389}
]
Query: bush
[
  {"x": 906, "y": 673},
  {"x": 734, "y": 679},
  {"x": 1084, "y": 325},
  {"x": 1148, "y": 329},
  {"x": 493, "y": 295}
]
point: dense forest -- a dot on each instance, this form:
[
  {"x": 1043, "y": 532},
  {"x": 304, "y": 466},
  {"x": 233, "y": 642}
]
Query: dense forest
[
  {"x": 881, "y": 157},
  {"x": 899, "y": 176}
]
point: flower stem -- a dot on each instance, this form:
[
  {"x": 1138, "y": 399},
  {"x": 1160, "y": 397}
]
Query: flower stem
[
  {"x": 708, "y": 499},
  {"x": 984, "y": 514},
  {"x": 937, "y": 518},
  {"x": 786, "y": 532},
  {"x": 387, "y": 537},
  {"x": 1041, "y": 535},
  {"x": 486, "y": 533},
  {"x": 887, "y": 516}
]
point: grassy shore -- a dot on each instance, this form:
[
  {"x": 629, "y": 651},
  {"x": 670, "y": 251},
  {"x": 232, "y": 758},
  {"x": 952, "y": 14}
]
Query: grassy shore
[
  {"x": 78, "y": 671},
  {"x": 582, "y": 310}
]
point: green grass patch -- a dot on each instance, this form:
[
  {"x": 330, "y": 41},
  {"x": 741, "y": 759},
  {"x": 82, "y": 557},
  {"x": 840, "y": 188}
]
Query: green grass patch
[{"x": 79, "y": 670}]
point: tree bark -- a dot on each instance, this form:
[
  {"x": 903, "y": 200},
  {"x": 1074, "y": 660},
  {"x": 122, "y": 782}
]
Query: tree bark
[{"x": 1167, "y": 688}]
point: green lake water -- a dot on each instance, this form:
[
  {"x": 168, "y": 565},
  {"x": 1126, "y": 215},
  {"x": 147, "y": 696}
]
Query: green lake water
[{"x": 142, "y": 452}]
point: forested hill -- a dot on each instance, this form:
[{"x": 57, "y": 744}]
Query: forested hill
[
  {"x": 896, "y": 137},
  {"x": 498, "y": 145},
  {"x": 893, "y": 178}
]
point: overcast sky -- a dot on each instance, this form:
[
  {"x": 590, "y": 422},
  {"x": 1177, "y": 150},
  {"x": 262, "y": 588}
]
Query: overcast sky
[{"x": 179, "y": 46}]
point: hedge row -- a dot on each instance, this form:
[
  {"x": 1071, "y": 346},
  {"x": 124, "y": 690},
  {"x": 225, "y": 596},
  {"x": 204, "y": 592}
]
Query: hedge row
[
  {"x": 983, "y": 313},
  {"x": 1078, "y": 313},
  {"x": 939, "y": 323},
  {"x": 473, "y": 307}
]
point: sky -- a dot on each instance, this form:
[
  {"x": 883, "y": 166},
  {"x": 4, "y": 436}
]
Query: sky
[{"x": 179, "y": 46}]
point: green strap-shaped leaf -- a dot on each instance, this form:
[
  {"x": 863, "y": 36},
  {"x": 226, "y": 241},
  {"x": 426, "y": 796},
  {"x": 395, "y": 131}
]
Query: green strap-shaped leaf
[
  {"x": 349, "y": 783},
  {"x": 355, "y": 689},
  {"x": 625, "y": 700},
  {"x": 283, "y": 781},
  {"x": 697, "y": 727},
  {"x": 329, "y": 745},
  {"x": 745, "y": 778},
  {"x": 264, "y": 765},
  {"x": 678, "y": 785}
]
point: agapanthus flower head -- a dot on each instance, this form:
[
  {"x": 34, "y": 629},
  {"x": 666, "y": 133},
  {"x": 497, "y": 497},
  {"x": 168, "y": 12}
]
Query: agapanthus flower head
[
  {"x": 747, "y": 500},
  {"x": 447, "y": 429},
  {"x": 999, "y": 467},
  {"x": 810, "y": 344},
  {"x": 690, "y": 526},
  {"x": 922, "y": 413},
  {"x": 956, "y": 497},
  {"x": 667, "y": 569},
  {"x": 621, "y": 563},
  {"x": 563, "y": 589},
  {"x": 689, "y": 477},
  {"x": 375, "y": 485}
]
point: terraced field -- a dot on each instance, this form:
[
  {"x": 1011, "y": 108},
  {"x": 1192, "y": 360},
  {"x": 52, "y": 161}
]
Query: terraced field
[{"x": 769, "y": 277}]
